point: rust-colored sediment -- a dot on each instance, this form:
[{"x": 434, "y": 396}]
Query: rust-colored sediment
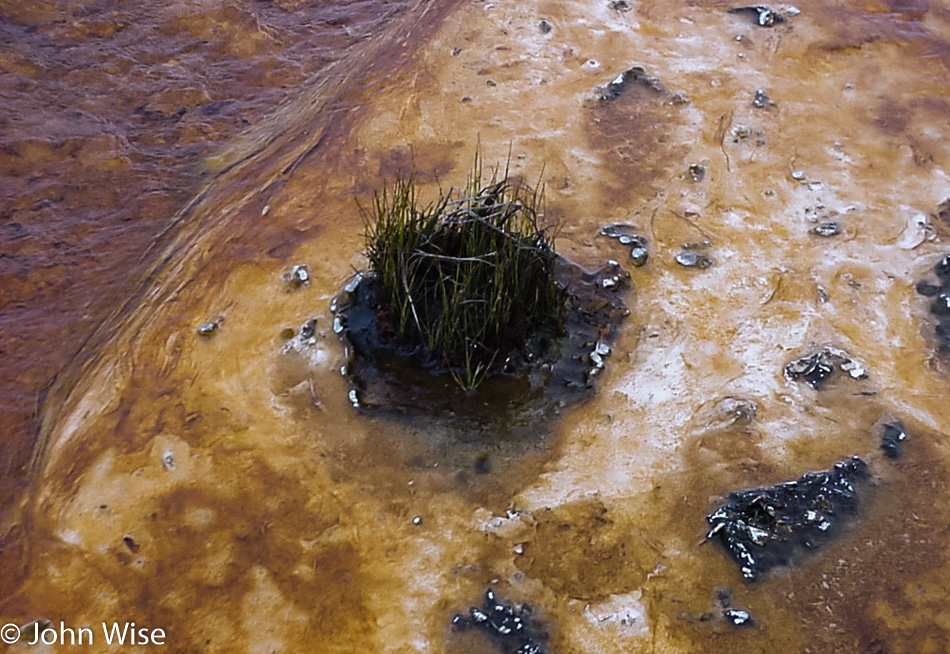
[{"x": 227, "y": 492}]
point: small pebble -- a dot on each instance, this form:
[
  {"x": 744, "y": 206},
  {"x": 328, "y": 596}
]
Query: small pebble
[
  {"x": 692, "y": 259},
  {"x": 829, "y": 228},
  {"x": 299, "y": 276},
  {"x": 208, "y": 329},
  {"x": 679, "y": 99},
  {"x": 737, "y": 617},
  {"x": 639, "y": 255},
  {"x": 893, "y": 437}
]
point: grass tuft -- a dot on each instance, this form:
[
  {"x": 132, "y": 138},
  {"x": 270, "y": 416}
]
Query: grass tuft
[{"x": 466, "y": 279}]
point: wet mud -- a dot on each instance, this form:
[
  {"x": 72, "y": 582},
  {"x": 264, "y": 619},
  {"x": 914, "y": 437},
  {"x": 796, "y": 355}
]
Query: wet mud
[
  {"x": 225, "y": 489},
  {"x": 558, "y": 368}
]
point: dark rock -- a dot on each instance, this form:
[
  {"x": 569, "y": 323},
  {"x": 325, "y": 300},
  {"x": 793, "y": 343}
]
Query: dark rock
[
  {"x": 941, "y": 305},
  {"x": 767, "y": 527},
  {"x": 506, "y": 624},
  {"x": 544, "y": 27},
  {"x": 208, "y": 329},
  {"x": 927, "y": 289},
  {"x": 308, "y": 329},
  {"x": 738, "y": 617},
  {"x": 943, "y": 335},
  {"x": 299, "y": 276},
  {"x": 816, "y": 368},
  {"x": 639, "y": 254},
  {"x": 697, "y": 172},
  {"x": 761, "y": 99},
  {"x": 762, "y": 15},
  {"x": 943, "y": 268},
  {"x": 893, "y": 437},
  {"x": 637, "y": 75}
]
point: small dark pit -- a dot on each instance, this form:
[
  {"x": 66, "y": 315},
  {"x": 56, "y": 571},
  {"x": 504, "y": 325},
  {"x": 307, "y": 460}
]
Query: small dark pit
[{"x": 131, "y": 544}]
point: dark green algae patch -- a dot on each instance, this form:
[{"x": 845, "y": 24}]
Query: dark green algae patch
[{"x": 556, "y": 369}]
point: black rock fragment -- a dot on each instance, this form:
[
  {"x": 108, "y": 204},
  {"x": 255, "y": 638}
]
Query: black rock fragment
[
  {"x": 507, "y": 625},
  {"x": 939, "y": 290},
  {"x": 943, "y": 268},
  {"x": 697, "y": 172},
  {"x": 308, "y": 329},
  {"x": 637, "y": 74},
  {"x": 892, "y": 439},
  {"x": 941, "y": 305},
  {"x": 943, "y": 335},
  {"x": 732, "y": 615},
  {"x": 738, "y": 617},
  {"x": 299, "y": 276},
  {"x": 761, "y": 99},
  {"x": 816, "y": 368},
  {"x": 639, "y": 255},
  {"x": 763, "y": 16},
  {"x": 766, "y": 527}
]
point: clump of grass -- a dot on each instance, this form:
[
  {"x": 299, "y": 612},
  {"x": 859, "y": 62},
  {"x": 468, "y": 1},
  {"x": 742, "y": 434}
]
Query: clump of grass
[{"x": 468, "y": 278}]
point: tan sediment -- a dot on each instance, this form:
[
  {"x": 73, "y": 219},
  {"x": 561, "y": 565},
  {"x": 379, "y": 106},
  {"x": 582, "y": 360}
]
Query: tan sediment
[{"x": 266, "y": 514}]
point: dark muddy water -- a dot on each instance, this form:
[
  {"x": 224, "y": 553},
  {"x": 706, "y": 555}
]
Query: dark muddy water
[{"x": 108, "y": 110}]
